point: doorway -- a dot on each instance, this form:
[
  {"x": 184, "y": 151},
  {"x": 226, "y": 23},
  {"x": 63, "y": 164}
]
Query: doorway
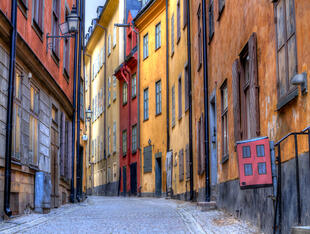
[
  {"x": 213, "y": 147},
  {"x": 124, "y": 182},
  {"x": 158, "y": 176},
  {"x": 54, "y": 169},
  {"x": 133, "y": 179}
]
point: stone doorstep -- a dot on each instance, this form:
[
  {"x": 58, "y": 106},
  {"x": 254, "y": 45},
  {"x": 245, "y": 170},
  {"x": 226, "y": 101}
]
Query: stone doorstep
[
  {"x": 206, "y": 206},
  {"x": 301, "y": 230}
]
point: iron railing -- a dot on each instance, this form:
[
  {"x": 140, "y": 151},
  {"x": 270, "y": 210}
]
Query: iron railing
[{"x": 278, "y": 206}]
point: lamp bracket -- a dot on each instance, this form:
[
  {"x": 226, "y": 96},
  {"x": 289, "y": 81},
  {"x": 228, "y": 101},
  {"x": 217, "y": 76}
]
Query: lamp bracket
[{"x": 50, "y": 45}]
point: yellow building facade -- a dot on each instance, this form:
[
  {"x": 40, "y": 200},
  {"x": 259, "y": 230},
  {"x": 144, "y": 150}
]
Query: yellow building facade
[
  {"x": 105, "y": 53},
  {"x": 179, "y": 99},
  {"x": 151, "y": 23}
]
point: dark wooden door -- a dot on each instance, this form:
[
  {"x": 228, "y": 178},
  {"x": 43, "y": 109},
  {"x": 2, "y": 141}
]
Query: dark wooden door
[
  {"x": 124, "y": 181},
  {"x": 133, "y": 178},
  {"x": 54, "y": 169},
  {"x": 158, "y": 176}
]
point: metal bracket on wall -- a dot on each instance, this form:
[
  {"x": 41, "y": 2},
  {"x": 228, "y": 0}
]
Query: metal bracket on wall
[{"x": 50, "y": 45}]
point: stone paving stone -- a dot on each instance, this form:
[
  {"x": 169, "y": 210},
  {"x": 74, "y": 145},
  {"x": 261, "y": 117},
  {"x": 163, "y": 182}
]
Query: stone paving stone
[{"x": 127, "y": 215}]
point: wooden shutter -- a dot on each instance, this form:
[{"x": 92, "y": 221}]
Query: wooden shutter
[
  {"x": 202, "y": 146},
  {"x": 147, "y": 159},
  {"x": 181, "y": 165},
  {"x": 254, "y": 89},
  {"x": 187, "y": 162},
  {"x": 236, "y": 99}
]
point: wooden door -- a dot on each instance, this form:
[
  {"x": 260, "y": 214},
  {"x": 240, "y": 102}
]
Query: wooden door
[{"x": 54, "y": 169}]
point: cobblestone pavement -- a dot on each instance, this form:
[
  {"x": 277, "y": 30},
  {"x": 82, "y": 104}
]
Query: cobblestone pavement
[{"x": 127, "y": 215}]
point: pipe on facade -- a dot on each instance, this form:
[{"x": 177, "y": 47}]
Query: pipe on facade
[
  {"x": 8, "y": 139},
  {"x": 190, "y": 101},
  {"x": 167, "y": 78},
  {"x": 206, "y": 100},
  {"x": 78, "y": 156},
  {"x": 72, "y": 191}
]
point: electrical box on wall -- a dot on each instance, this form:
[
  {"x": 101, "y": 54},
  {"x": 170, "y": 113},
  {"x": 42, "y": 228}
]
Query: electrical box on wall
[{"x": 254, "y": 163}]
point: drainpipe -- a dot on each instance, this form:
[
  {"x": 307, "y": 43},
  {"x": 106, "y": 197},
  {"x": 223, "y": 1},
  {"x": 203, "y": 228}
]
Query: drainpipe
[
  {"x": 8, "y": 139},
  {"x": 167, "y": 78},
  {"x": 190, "y": 102},
  {"x": 79, "y": 172},
  {"x": 72, "y": 191},
  {"x": 206, "y": 100},
  {"x": 90, "y": 122}
]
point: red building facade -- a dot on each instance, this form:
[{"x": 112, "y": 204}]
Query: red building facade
[{"x": 129, "y": 154}]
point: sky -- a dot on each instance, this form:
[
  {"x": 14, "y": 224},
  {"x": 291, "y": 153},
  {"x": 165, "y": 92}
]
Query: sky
[{"x": 91, "y": 11}]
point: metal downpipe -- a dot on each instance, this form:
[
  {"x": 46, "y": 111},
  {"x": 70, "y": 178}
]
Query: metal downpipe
[
  {"x": 206, "y": 101},
  {"x": 190, "y": 101},
  {"x": 8, "y": 140}
]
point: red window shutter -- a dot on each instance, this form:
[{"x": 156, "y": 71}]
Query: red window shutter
[
  {"x": 254, "y": 89},
  {"x": 236, "y": 99}
]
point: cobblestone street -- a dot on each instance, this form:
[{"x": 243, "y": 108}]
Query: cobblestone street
[{"x": 127, "y": 215}]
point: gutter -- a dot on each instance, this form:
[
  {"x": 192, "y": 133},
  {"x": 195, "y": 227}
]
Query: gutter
[
  {"x": 8, "y": 139},
  {"x": 167, "y": 78},
  {"x": 206, "y": 100},
  {"x": 190, "y": 102}
]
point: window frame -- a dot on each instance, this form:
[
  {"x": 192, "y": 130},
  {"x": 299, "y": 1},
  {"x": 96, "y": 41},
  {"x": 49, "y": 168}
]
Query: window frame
[
  {"x": 157, "y": 36},
  {"x": 221, "y": 8},
  {"x": 224, "y": 120},
  {"x": 146, "y": 104},
  {"x": 124, "y": 142},
  {"x": 180, "y": 97},
  {"x": 178, "y": 22},
  {"x": 172, "y": 35},
  {"x": 134, "y": 139},
  {"x": 146, "y": 46},
  {"x": 211, "y": 20},
  {"x": 158, "y": 99},
  {"x": 38, "y": 18},
  {"x": 125, "y": 93},
  {"x": 133, "y": 86},
  {"x": 291, "y": 90}
]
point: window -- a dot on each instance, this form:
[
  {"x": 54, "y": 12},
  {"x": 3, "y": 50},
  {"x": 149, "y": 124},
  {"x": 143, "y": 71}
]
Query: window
[
  {"x": 146, "y": 104},
  {"x": 224, "y": 98},
  {"x": 134, "y": 139},
  {"x": 173, "y": 106},
  {"x": 158, "y": 36},
  {"x": 146, "y": 46},
  {"x": 199, "y": 41},
  {"x": 178, "y": 22},
  {"x": 33, "y": 124},
  {"x": 125, "y": 93},
  {"x": 286, "y": 51},
  {"x": 66, "y": 60},
  {"x": 186, "y": 80},
  {"x": 82, "y": 100},
  {"x": 23, "y": 6},
  {"x": 133, "y": 86},
  {"x": 221, "y": 6},
  {"x": 101, "y": 58},
  {"x": 109, "y": 91},
  {"x": 181, "y": 165},
  {"x": 124, "y": 138},
  {"x": 93, "y": 109},
  {"x": 114, "y": 136},
  {"x": 16, "y": 132},
  {"x": 109, "y": 139},
  {"x": 114, "y": 36},
  {"x": 18, "y": 85},
  {"x": 114, "y": 88},
  {"x": 211, "y": 20},
  {"x": 184, "y": 13},
  {"x": 158, "y": 97},
  {"x": 245, "y": 93},
  {"x": 172, "y": 34},
  {"x": 109, "y": 45},
  {"x": 55, "y": 27},
  {"x": 180, "y": 96},
  {"x": 38, "y": 15}
]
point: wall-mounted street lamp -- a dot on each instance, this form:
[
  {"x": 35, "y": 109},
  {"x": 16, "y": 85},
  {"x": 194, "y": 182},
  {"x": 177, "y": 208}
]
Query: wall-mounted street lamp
[
  {"x": 301, "y": 79},
  {"x": 68, "y": 29},
  {"x": 88, "y": 113}
]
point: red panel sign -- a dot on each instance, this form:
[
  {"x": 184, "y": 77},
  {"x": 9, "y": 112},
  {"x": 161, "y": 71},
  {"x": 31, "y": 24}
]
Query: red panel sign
[{"x": 254, "y": 163}]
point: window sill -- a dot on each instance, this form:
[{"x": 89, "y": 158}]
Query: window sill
[
  {"x": 134, "y": 152},
  {"x": 210, "y": 38},
  {"x": 287, "y": 99},
  {"x": 133, "y": 97},
  {"x": 199, "y": 67},
  {"x": 225, "y": 158},
  {"x": 180, "y": 118},
  {"x": 37, "y": 30},
  {"x": 186, "y": 109},
  {"x": 158, "y": 114},
  {"x": 178, "y": 39},
  {"x": 158, "y": 48},
  {"x": 124, "y": 103},
  {"x": 145, "y": 120},
  {"x": 172, "y": 53},
  {"x": 145, "y": 58},
  {"x": 55, "y": 57},
  {"x": 66, "y": 75},
  {"x": 184, "y": 26},
  {"x": 220, "y": 13},
  {"x": 124, "y": 155}
]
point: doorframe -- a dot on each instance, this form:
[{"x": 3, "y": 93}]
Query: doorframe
[
  {"x": 158, "y": 157},
  {"x": 213, "y": 122}
]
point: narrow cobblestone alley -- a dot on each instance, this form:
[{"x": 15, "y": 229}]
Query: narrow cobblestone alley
[{"x": 127, "y": 215}]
